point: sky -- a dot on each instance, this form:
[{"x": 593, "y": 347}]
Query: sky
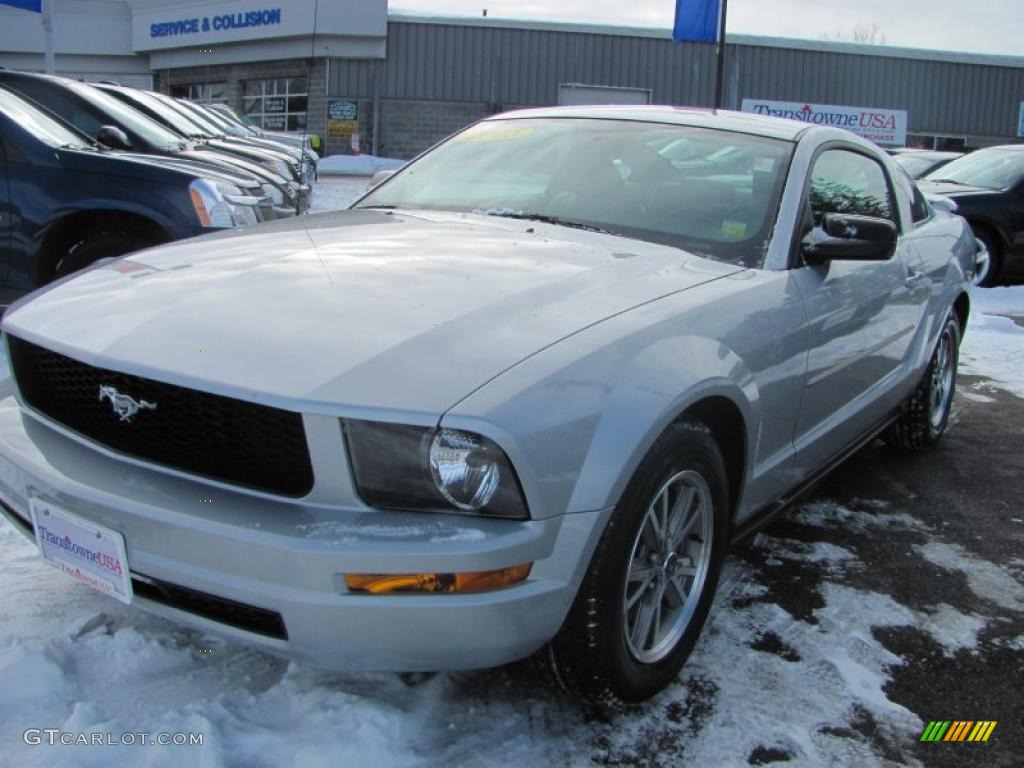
[{"x": 995, "y": 26}]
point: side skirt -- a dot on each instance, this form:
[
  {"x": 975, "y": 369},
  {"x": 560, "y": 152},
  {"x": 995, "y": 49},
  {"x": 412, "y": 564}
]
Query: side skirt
[{"x": 766, "y": 514}]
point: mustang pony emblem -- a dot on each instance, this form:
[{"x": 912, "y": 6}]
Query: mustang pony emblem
[{"x": 124, "y": 406}]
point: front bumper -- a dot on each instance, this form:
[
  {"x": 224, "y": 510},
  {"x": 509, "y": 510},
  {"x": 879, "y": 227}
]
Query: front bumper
[{"x": 289, "y": 559}]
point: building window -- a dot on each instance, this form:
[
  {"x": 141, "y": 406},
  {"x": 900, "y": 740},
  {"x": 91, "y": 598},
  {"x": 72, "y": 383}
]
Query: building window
[
  {"x": 278, "y": 104},
  {"x": 203, "y": 93}
]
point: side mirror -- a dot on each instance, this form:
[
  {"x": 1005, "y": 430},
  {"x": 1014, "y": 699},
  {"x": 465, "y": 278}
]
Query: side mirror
[
  {"x": 380, "y": 177},
  {"x": 113, "y": 137},
  {"x": 845, "y": 237}
]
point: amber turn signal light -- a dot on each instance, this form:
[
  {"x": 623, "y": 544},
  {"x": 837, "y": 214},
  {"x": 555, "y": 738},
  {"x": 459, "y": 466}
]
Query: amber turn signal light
[{"x": 483, "y": 581}]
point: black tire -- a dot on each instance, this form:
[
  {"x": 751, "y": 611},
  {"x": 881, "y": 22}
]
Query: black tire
[
  {"x": 591, "y": 656},
  {"x": 995, "y": 256},
  {"x": 922, "y": 423},
  {"x": 97, "y": 245}
]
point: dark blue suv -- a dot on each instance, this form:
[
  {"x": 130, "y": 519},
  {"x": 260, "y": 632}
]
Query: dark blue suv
[{"x": 66, "y": 201}]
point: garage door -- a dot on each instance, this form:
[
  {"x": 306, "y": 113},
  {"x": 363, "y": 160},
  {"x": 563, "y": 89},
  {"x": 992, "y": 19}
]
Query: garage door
[{"x": 575, "y": 94}]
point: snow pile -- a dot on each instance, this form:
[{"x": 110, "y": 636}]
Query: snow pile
[
  {"x": 994, "y": 344},
  {"x": 357, "y": 165}
]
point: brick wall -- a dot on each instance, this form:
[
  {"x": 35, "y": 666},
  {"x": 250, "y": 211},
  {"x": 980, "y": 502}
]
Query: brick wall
[{"x": 409, "y": 127}]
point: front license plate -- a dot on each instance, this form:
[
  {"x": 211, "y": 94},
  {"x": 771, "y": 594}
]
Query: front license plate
[{"x": 87, "y": 552}]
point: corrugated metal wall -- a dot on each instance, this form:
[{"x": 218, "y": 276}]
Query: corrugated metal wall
[
  {"x": 940, "y": 97},
  {"x": 515, "y": 66}
]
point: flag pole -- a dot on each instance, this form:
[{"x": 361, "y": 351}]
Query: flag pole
[
  {"x": 47, "y": 9},
  {"x": 720, "y": 57}
]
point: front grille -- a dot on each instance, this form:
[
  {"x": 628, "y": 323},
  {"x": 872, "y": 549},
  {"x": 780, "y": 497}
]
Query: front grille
[
  {"x": 219, "y": 609},
  {"x": 217, "y": 437}
]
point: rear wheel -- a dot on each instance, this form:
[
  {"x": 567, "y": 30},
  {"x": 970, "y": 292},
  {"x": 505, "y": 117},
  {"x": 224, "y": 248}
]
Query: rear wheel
[
  {"x": 648, "y": 589},
  {"x": 988, "y": 267},
  {"x": 926, "y": 413}
]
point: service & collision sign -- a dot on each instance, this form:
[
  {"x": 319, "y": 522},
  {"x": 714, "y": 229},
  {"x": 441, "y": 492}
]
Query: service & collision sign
[{"x": 882, "y": 126}]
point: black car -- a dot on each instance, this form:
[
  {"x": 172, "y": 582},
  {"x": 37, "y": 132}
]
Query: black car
[
  {"x": 988, "y": 188},
  {"x": 94, "y": 113},
  {"x": 920, "y": 162},
  {"x": 66, "y": 201}
]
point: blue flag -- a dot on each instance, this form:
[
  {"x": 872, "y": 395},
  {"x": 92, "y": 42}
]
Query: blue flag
[
  {"x": 697, "y": 21},
  {"x": 27, "y": 5}
]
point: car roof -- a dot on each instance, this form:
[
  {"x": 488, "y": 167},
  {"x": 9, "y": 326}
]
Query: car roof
[{"x": 726, "y": 120}]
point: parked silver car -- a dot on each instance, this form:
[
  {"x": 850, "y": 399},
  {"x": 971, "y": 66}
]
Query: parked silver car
[{"x": 518, "y": 401}]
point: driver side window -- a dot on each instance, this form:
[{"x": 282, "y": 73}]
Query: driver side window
[{"x": 848, "y": 182}]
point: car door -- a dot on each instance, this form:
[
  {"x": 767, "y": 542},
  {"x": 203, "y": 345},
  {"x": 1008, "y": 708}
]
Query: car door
[{"x": 862, "y": 315}]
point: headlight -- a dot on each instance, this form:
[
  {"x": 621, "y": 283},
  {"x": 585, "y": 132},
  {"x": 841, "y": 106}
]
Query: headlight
[
  {"x": 222, "y": 206},
  {"x": 274, "y": 193},
  {"x": 280, "y": 167},
  {"x": 413, "y": 468}
]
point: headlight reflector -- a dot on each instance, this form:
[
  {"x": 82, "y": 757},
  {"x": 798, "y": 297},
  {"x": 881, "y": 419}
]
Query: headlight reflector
[
  {"x": 465, "y": 469},
  {"x": 222, "y": 206},
  {"x": 423, "y": 469},
  {"x": 275, "y": 194}
]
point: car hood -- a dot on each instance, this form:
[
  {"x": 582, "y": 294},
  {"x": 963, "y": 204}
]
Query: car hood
[
  {"x": 394, "y": 314},
  {"x": 159, "y": 168},
  {"x": 949, "y": 189}
]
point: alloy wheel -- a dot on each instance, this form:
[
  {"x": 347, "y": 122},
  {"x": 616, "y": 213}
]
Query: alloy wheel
[{"x": 668, "y": 567}]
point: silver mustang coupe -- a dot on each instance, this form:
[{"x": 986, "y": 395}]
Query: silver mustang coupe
[{"x": 517, "y": 401}]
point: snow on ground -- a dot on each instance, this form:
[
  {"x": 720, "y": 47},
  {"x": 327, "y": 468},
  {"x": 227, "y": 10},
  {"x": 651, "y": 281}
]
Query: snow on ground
[
  {"x": 760, "y": 678},
  {"x": 993, "y": 346},
  {"x": 337, "y": 193}
]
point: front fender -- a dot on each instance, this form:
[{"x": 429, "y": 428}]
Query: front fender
[
  {"x": 656, "y": 386},
  {"x": 577, "y": 418}
]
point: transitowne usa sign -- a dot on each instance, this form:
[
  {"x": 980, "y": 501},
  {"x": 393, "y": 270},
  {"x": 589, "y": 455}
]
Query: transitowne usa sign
[{"x": 882, "y": 126}]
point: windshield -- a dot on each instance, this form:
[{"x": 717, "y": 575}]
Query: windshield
[
  {"x": 178, "y": 122},
  {"x": 207, "y": 114},
  {"x": 612, "y": 175},
  {"x": 125, "y": 117},
  {"x": 205, "y": 125},
  {"x": 39, "y": 124},
  {"x": 987, "y": 168},
  {"x": 916, "y": 165}
]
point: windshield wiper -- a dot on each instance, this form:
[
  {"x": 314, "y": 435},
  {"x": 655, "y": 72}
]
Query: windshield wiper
[
  {"x": 545, "y": 219},
  {"x": 947, "y": 181}
]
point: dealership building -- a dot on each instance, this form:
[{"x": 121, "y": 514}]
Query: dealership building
[{"x": 360, "y": 75}]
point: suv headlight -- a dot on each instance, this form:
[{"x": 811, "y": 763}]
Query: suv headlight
[
  {"x": 421, "y": 469},
  {"x": 280, "y": 167},
  {"x": 274, "y": 193},
  {"x": 222, "y": 206}
]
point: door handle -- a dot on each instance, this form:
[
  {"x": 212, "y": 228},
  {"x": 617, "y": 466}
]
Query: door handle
[{"x": 913, "y": 278}]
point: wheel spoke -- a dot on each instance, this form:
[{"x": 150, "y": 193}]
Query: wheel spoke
[
  {"x": 651, "y": 531},
  {"x": 663, "y": 522},
  {"x": 680, "y": 519},
  {"x": 640, "y": 571},
  {"x": 677, "y": 585},
  {"x": 643, "y": 621},
  {"x": 642, "y": 590},
  {"x": 652, "y": 638}
]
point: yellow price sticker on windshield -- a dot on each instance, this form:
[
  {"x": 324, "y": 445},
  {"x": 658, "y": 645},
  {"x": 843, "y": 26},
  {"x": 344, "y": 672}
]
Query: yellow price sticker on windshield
[
  {"x": 496, "y": 132},
  {"x": 734, "y": 230}
]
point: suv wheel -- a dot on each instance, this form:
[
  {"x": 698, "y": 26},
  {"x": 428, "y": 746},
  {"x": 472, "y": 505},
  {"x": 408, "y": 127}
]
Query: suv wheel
[
  {"x": 97, "y": 245},
  {"x": 988, "y": 269}
]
